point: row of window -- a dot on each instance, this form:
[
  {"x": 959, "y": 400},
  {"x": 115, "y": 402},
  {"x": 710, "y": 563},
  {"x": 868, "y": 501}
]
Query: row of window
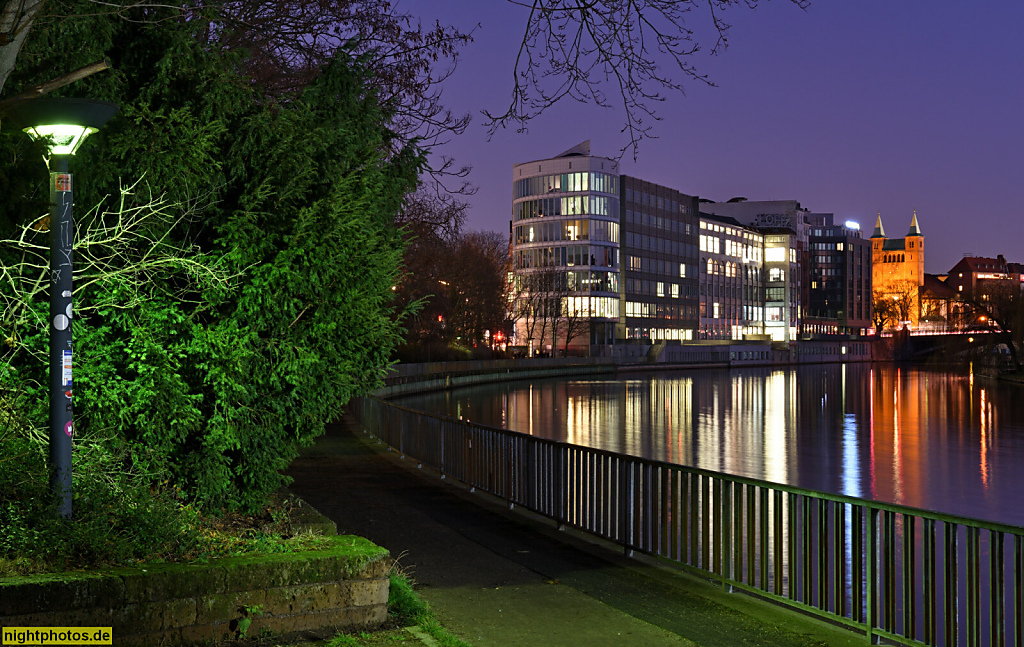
[
  {"x": 607, "y": 307},
  {"x": 566, "y": 183},
  {"x": 602, "y": 230},
  {"x": 660, "y": 245},
  {"x": 575, "y": 205},
  {"x": 659, "y": 289},
  {"x": 751, "y": 236},
  {"x": 893, "y": 258},
  {"x": 566, "y": 256},
  {"x": 734, "y": 248},
  {"x": 572, "y": 281},
  {"x": 666, "y": 333},
  {"x": 656, "y": 202},
  {"x": 729, "y": 312},
  {"x": 659, "y": 310},
  {"x": 658, "y": 266},
  {"x": 728, "y": 269},
  {"x": 657, "y": 222},
  {"x": 747, "y": 292}
]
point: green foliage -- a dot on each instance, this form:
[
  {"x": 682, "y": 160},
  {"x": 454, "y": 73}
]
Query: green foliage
[
  {"x": 216, "y": 337},
  {"x": 404, "y": 605}
]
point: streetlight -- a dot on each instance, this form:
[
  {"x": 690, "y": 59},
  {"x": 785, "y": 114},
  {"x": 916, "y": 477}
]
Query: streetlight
[{"x": 63, "y": 124}]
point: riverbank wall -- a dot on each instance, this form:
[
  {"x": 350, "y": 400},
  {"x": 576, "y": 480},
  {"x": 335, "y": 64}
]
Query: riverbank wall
[
  {"x": 434, "y": 376},
  {"x": 344, "y": 586}
]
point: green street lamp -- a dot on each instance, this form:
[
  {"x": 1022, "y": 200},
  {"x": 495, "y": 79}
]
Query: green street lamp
[{"x": 63, "y": 124}]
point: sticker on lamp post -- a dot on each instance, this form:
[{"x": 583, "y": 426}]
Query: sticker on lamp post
[
  {"x": 66, "y": 374},
  {"x": 69, "y": 429},
  {"x": 63, "y": 182}
]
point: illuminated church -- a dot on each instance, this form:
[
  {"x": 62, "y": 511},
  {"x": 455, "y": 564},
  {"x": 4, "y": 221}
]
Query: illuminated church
[{"x": 897, "y": 268}]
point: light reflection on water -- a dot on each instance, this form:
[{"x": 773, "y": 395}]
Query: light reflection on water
[{"x": 930, "y": 440}]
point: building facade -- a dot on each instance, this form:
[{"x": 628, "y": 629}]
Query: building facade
[
  {"x": 565, "y": 250},
  {"x": 897, "y": 272},
  {"x": 659, "y": 262},
  {"x": 603, "y": 258},
  {"x": 839, "y": 277},
  {"x": 731, "y": 279}
]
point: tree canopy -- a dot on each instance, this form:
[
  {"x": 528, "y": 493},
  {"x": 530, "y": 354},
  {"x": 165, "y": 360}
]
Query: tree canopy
[{"x": 237, "y": 294}]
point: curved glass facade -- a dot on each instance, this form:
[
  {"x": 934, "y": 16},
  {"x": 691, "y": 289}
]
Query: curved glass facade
[{"x": 565, "y": 245}]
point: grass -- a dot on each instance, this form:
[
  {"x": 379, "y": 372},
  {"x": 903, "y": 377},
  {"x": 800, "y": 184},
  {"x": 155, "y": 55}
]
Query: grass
[
  {"x": 405, "y": 609},
  {"x": 154, "y": 531}
]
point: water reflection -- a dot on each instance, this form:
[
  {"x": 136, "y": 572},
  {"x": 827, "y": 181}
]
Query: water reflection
[{"x": 931, "y": 440}]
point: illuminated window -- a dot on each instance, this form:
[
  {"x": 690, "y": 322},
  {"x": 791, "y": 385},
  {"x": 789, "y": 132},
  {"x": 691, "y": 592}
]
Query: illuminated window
[{"x": 775, "y": 255}]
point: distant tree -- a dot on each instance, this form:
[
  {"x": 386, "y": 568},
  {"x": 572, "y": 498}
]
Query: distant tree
[
  {"x": 996, "y": 307},
  {"x": 882, "y": 311},
  {"x": 574, "y": 320}
]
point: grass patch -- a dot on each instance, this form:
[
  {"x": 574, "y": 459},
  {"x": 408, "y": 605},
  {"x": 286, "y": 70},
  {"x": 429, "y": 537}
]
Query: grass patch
[
  {"x": 405, "y": 609},
  {"x": 141, "y": 526}
]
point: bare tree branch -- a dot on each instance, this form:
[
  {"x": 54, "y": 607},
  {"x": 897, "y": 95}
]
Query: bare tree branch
[{"x": 570, "y": 49}]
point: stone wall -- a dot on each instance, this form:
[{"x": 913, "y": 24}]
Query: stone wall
[{"x": 343, "y": 587}]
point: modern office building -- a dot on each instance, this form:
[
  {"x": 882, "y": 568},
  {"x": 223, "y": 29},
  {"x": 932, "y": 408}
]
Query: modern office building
[
  {"x": 731, "y": 279},
  {"x": 839, "y": 277},
  {"x": 659, "y": 262},
  {"x": 602, "y": 258},
  {"x": 783, "y": 227},
  {"x": 565, "y": 242}
]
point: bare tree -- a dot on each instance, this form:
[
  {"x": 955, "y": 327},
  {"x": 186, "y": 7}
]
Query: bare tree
[
  {"x": 574, "y": 320},
  {"x": 882, "y": 311},
  {"x": 996, "y": 307},
  {"x": 113, "y": 247},
  {"x": 576, "y": 48}
]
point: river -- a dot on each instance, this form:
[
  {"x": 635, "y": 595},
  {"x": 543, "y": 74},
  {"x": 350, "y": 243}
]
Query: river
[{"x": 933, "y": 440}]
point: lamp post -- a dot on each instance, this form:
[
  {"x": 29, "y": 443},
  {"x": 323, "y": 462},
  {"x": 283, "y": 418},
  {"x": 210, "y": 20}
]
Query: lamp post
[{"x": 64, "y": 123}]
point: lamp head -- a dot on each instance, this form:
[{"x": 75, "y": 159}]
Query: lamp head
[{"x": 64, "y": 122}]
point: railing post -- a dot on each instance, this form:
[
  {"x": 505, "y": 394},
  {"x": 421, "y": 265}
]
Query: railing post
[{"x": 872, "y": 579}]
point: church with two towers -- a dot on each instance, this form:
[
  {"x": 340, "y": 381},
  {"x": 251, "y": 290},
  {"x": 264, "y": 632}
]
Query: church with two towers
[{"x": 897, "y": 270}]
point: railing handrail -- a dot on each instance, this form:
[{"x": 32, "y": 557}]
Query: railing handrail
[
  {"x": 934, "y": 515},
  {"x": 905, "y": 574}
]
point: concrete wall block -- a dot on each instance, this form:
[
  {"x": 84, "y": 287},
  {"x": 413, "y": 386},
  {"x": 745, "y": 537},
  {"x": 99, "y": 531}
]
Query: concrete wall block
[
  {"x": 56, "y": 591},
  {"x": 224, "y": 607},
  {"x": 178, "y": 613},
  {"x": 169, "y": 581},
  {"x": 303, "y": 598},
  {"x": 154, "y": 639},
  {"x": 94, "y": 617},
  {"x": 369, "y": 592},
  {"x": 207, "y": 633}
]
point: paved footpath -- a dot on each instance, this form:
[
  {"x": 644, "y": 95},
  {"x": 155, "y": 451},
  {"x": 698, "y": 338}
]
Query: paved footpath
[{"x": 503, "y": 578}]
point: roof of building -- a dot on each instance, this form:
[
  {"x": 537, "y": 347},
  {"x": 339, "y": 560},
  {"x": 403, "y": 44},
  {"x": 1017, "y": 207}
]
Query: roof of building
[
  {"x": 937, "y": 288},
  {"x": 894, "y": 244},
  {"x": 915, "y": 230},
  {"x": 722, "y": 219},
  {"x": 982, "y": 264},
  {"x": 879, "y": 230},
  {"x": 581, "y": 149}
]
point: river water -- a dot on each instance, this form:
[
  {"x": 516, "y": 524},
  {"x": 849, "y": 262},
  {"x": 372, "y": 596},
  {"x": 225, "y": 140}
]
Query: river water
[{"x": 933, "y": 440}]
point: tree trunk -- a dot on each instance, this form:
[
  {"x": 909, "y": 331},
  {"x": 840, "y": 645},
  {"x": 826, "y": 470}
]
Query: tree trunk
[{"x": 16, "y": 18}]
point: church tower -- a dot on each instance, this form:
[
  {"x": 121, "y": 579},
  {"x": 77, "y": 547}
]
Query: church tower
[
  {"x": 897, "y": 264},
  {"x": 915, "y": 253}
]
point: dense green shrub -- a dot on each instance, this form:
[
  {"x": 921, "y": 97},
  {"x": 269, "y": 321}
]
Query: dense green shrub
[{"x": 252, "y": 298}]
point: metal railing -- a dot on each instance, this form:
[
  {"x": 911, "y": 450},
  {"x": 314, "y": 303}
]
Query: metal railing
[{"x": 896, "y": 573}]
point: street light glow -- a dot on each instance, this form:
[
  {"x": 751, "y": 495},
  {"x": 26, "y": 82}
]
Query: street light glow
[{"x": 64, "y": 138}]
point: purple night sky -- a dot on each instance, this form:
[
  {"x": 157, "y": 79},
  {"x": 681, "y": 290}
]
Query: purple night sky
[{"x": 849, "y": 107}]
